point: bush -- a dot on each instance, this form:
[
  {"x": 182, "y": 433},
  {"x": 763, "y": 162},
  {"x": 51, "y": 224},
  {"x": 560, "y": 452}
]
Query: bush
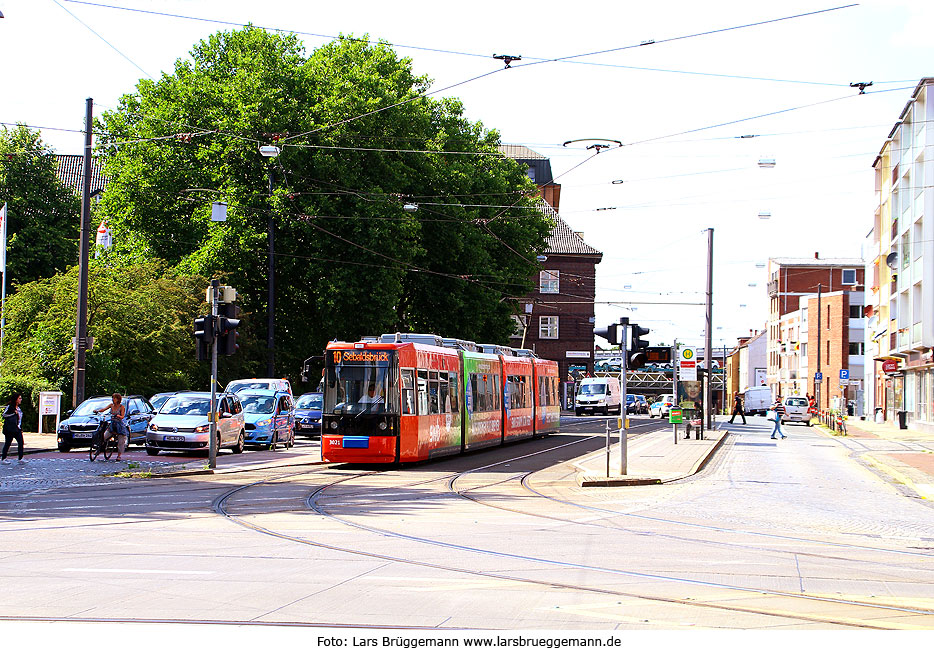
[{"x": 29, "y": 387}]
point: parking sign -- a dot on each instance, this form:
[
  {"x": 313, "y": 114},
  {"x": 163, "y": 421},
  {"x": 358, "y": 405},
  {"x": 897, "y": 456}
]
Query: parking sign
[{"x": 844, "y": 375}]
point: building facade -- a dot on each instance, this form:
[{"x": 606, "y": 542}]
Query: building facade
[
  {"x": 900, "y": 334},
  {"x": 557, "y": 317},
  {"x": 790, "y": 279}
]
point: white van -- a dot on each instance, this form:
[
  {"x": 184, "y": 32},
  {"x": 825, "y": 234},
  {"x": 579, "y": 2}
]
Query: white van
[
  {"x": 240, "y": 385},
  {"x": 756, "y": 401},
  {"x": 598, "y": 395}
]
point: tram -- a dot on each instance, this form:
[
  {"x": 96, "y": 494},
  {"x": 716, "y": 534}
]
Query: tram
[{"x": 407, "y": 397}]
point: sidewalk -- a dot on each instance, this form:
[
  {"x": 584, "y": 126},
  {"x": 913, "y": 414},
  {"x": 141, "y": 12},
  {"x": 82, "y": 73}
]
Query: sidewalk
[
  {"x": 913, "y": 469},
  {"x": 652, "y": 458}
]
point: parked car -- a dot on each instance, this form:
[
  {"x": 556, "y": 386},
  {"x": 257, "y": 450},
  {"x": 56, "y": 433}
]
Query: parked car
[
  {"x": 269, "y": 419},
  {"x": 183, "y": 424},
  {"x": 756, "y": 401},
  {"x": 608, "y": 365},
  {"x": 662, "y": 406},
  {"x": 308, "y": 414},
  {"x": 598, "y": 395},
  {"x": 796, "y": 410},
  {"x": 632, "y": 404},
  {"x": 241, "y": 385},
  {"x": 81, "y": 424},
  {"x": 643, "y": 405},
  {"x": 160, "y": 398}
]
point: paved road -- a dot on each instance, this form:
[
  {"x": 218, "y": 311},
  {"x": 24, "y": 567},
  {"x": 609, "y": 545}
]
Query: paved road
[{"x": 787, "y": 534}]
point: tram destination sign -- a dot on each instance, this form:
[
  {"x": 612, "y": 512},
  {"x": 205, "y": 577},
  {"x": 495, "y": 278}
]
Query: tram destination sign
[{"x": 360, "y": 356}]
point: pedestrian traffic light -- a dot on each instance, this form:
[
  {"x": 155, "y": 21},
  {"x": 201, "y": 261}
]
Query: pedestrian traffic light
[
  {"x": 638, "y": 347},
  {"x": 610, "y": 334},
  {"x": 227, "y": 329},
  {"x": 204, "y": 336}
]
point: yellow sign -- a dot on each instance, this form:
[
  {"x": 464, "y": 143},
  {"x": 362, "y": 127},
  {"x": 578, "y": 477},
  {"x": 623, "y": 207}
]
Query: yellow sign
[
  {"x": 687, "y": 354},
  {"x": 360, "y": 356}
]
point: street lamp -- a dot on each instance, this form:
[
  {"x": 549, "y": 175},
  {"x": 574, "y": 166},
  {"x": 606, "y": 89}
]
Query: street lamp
[{"x": 271, "y": 151}]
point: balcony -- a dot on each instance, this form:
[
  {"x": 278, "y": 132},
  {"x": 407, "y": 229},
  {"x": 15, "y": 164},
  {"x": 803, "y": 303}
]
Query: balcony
[{"x": 772, "y": 287}]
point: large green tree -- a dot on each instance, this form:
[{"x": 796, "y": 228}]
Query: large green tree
[
  {"x": 43, "y": 214},
  {"x": 139, "y": 313},
  {"x": 359, "y": 142}
]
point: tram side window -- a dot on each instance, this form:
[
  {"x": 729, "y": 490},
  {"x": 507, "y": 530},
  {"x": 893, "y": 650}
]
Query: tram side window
[
  {"x": 443, "y": 398},
  {"x": 408, "y": 392},
  {"x": 496, "y": 390},
  {"x": 422, "y": 392},
  {"x": 453, "y": 392},
  {"x": 527, "y": 395},
  {"x": 433, "y": 398}
]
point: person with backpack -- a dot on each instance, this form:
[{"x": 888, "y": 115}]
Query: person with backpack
[
  {"x": 13, "y": 426},
  {"x": 778, "y": 409},
  {"x": 738, "y": 408}
]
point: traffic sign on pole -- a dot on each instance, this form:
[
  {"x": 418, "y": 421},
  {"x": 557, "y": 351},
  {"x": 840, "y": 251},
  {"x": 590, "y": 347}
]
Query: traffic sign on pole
[
  {"x": 844, "y": 375},
  {"x": 818, "y": 376}
]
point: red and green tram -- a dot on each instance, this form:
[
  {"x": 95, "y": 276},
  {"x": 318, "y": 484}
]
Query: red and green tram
[{"x": 410, "y": 397}]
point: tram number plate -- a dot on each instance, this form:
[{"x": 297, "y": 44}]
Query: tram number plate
[
  {"x": 334, "y": 443},
  {"x": 175, "y": 438}
]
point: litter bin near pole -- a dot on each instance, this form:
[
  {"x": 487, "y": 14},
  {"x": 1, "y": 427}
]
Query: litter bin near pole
[{"x": 902, "y": 419}]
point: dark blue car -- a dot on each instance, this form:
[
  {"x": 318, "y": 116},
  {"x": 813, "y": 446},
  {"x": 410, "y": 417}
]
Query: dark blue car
[
  {"x": 81, "y": 424},
  {"x": 308, "y": 414}
]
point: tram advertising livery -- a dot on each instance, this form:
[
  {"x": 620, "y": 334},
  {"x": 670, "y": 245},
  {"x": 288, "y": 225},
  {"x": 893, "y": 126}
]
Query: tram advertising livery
[{"x": 410, "y": 397}]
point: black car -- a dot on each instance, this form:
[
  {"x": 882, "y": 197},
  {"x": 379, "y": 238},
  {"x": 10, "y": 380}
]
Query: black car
[
  {"x": 81, "y": 424},
  {"x": 308, "y": 414}
]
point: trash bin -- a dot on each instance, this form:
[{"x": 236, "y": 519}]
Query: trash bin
[
  {"x": 902, "y": 419},
  {"x": 880, "y": 415}
]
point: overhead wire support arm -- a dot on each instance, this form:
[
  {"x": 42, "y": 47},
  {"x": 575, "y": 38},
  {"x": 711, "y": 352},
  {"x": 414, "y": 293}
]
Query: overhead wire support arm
[
  {"x": 507, "y": 58},
  {"x": 861, "y": 86}
]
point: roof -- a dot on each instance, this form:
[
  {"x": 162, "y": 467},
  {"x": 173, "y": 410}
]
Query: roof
[
  {"x": 563, "y": 239},
  {"x": 70, "y": 170},
  {"x": 806, "y": 262},
  {"x": 901, "y": 117},
  {"x": 520, "y": 152},
  {"x": 539, "y": 166}
]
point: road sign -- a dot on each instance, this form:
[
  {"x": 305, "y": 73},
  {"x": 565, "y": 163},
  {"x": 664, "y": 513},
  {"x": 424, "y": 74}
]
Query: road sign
[
  {"x": 687, "y": 354},
  {"x": 818, "y": 376},
  {"x": 844, "y": 375}
]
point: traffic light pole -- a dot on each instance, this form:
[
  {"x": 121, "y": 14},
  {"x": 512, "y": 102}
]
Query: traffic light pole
[
  {"x": 623, "y": 407},
  {"x": 212, "y": 441},
  {"x": 676, "y": 360}
]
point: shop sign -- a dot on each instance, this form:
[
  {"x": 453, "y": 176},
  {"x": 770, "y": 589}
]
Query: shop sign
[{"x": 889, "y": 366}]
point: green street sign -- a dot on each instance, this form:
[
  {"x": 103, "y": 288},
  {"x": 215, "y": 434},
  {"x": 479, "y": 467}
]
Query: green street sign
[{"x": 674, "y": 416}]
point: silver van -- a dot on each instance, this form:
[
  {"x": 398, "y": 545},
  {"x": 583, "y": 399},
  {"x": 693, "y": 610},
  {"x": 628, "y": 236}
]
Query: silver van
[{"x": 183, "y": 424}]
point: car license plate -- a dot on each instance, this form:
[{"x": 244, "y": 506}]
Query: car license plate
[
  {"x": 175, "y": 438},
  {"x": 79, "y": 436}
]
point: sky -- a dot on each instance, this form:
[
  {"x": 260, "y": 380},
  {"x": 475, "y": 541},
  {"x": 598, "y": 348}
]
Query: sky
[{"x": 695, "y": 104}]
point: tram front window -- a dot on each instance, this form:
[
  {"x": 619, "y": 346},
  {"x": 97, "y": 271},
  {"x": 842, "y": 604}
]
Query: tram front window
[{"x": 360, "y": 389}]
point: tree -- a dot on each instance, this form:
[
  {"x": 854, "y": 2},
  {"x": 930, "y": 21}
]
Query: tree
[
  {"x": 139, "y": 313},
  {"x": 43, "y": 214},
  {"x": 350, "y": 259}
]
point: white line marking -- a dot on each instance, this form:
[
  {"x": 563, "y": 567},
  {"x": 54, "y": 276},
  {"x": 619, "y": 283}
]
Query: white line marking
[{"x": 138, "y": 571}]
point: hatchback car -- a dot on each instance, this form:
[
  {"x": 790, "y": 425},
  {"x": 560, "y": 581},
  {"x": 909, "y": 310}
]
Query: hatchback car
[
  {"x": 269, "y": 419},
  {"x": 662, "y": 406},
  {"x": 81, "y": 425},
  {"x": 160, "y": 398},
  {"x": 643, "y": 405},
  {"x": 608, "y": 365},
  {"x": 308, "y": 414},
  {"x": 183, "y": 424},
  {"x": 797, "y": 410}
]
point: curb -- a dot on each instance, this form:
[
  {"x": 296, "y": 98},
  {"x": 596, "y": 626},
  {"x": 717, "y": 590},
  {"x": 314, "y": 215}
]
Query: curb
[
  {"x": 233, "y": 470},
  {"x": 897, "y": 476}
]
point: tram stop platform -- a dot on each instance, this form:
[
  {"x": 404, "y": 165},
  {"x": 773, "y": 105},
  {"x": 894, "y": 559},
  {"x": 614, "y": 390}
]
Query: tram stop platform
[{"x": 652, "y": 458}]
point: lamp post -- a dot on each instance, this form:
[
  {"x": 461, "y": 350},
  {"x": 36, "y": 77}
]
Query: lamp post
[{"x": 271, "y": 151}]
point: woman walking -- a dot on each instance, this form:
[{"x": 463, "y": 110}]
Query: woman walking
[
  {"x": 779, "y": 409},
  {"x": 13, "y": 426}
]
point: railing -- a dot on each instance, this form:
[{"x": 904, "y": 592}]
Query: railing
[{"x": 833, "y": 419}]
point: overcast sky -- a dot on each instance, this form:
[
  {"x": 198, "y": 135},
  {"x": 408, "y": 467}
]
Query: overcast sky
[{"x": 676, "y": 174}]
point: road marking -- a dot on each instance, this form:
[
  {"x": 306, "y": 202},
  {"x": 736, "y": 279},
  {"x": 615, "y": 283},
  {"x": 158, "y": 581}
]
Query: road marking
[{"x": 138, "y": 571}]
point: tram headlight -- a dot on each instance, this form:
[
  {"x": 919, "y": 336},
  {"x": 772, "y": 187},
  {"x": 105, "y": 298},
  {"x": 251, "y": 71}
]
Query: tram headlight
[
  {"x": 333, "y": 424},
  {"x": 382, "y": 426}
]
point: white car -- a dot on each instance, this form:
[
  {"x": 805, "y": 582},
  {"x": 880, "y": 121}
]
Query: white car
[
  {"x": 797, "y": 410},
  {"x": 281, "y": 385},
  {"x": 183, "y": 424}
]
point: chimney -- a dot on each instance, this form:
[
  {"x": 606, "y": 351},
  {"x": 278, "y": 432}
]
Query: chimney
[{"x": 816, "y": 254}]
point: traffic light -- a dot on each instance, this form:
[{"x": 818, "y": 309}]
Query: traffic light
[
  {"x": 228, "y": 321},
  {"x": 610, "y": 334},
  {"x": 637, "y": 347},
  {"x": 204, "y": 336}
]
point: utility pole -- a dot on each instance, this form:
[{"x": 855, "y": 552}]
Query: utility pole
[
  {"x": 81, "y": 329},
  {"x": 708, "y": 340},
  {"x": 212, "y": 441},
  {"x": 271, "y": 300},
  {"x": 818, "y": 381},
  {"x": 623, "y": 409},
  {"x": 676, "y": 360}
]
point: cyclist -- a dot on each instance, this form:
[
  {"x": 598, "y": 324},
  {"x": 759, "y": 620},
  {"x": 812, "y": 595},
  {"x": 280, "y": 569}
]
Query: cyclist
[{"x": 116, "y": 425}]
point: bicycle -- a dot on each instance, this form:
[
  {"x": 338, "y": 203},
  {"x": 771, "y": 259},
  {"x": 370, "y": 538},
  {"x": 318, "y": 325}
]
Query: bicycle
[{"x": 104, "y": 443}]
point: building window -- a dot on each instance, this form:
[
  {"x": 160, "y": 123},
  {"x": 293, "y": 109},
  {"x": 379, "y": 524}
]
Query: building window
[
  {"x": 548, "y": 327},
  {"x": 857, "y": 348},
  {"x": 856, "y": 312},
  {"x": 849, "y": 277},
  {"x": 548, "y": 281},
  {"x": 804, "y": 350},
  {"x": 828, "y": 317}
]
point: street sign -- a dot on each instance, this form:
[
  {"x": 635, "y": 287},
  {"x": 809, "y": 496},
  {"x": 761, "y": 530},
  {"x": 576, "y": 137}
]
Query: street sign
[
  {"x": 687, "y": 354},
  {"x": 818, "y": 376},
  {"x": 687, "y": 364},
  {"x": 844, "y": 375},
  {"x": 674, "y": 416}
]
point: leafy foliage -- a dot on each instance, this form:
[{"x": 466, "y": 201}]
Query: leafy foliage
[
  {"x": 349, "y": 259},
  {"x": 139, "y": 313},
  {"x": 43, "y": 214}
]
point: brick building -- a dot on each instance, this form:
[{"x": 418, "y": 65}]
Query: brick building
[
  {"x": 557, "y": 318},
  {"x": 792, "y": 359}
]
